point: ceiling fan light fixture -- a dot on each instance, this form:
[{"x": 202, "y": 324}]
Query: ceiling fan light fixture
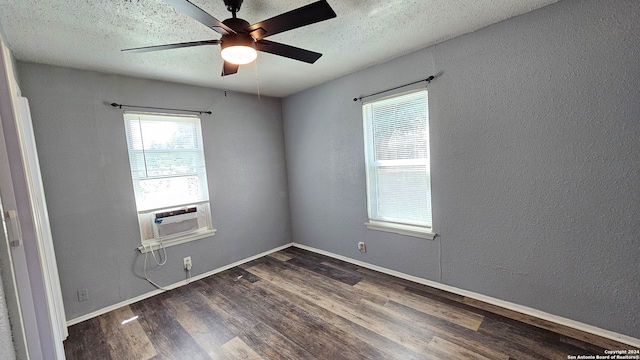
[
  {"x": 239, "y": 55},
  {"x": 238, "y": 49}
]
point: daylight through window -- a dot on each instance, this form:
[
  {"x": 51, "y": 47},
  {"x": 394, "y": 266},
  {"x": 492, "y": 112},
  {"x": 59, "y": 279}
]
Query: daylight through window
[
  {"x": 396, "y": 131},
  {"x": 169, "y": 175}
]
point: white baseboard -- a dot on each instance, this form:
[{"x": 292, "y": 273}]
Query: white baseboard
[
  {"x": 170, "y": 287},
  {"x": 487, "y": 299}
]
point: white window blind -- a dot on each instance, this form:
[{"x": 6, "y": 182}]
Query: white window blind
[
  {"x": 167, "y": 160},
  {"x": 397, "y": 159},
  {"x": 168, "y": 170}
]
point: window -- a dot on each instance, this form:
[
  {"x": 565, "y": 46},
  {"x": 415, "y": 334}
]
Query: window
[
  {"x": 169, "y": 177},
  {"x": 396, "y": 133}
]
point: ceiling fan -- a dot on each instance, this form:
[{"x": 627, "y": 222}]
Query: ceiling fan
[{"x": 240, "y": 41}]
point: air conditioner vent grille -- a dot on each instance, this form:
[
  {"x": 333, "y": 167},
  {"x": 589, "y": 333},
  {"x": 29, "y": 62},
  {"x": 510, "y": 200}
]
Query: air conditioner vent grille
[
  {"x": 174, "y": 228},
  {"x": 175, "y": 222}
]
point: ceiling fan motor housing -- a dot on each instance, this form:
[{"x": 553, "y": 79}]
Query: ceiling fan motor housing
[
  {"x": 239, "y": 39},
  {"x": 236, "y": 24}
]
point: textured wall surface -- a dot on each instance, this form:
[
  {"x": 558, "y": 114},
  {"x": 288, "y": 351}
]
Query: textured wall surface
[
  {"x": 535, "y": 163},
  {"x": 85, "y": 170},
  {"x": 6, "y": 343}
]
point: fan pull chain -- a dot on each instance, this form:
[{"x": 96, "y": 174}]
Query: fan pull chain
[
  {"x": 257, "y": 79},
  {"x": 224, "y": 78},
  {"x": 224, "y": 85}
]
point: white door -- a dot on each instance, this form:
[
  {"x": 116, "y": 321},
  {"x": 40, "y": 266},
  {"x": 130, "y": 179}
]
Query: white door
[
  {"x": 11, "y": 320},
  {"x": 42, "y": 228},
  {"x": 33, "y": 259}
]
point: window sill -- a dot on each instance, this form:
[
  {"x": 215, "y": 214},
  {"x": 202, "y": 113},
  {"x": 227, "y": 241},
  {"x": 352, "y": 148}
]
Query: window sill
[
  {"x": 409, "y": 230},
  {"x": 155, "y": 244}
]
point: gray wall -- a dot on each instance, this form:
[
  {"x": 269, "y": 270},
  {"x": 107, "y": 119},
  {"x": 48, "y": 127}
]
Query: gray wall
[
  {"x": 85, "y": 170},
  {"x": 535, "y": 124}
]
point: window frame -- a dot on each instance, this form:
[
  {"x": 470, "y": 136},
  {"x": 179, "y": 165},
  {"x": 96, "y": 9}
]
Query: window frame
[
  {"x": 380, "y": 223},
  {"x": 145, "y": 212}
]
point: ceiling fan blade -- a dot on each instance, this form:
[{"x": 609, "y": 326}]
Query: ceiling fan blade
[
  {"x": 306, "y": 15},
  {"x": 200, "y": 15},
  {"x": 288, "y": 51},
  {"x": 229, "y": 68},
  {"x": 172, "y": 46}
]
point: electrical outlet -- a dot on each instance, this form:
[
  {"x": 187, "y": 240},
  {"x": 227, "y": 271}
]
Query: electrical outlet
[
  {"x": 83, "y": 295},
  {"x": 362, "y": 247},
  {"x": 187, "y": 263}
]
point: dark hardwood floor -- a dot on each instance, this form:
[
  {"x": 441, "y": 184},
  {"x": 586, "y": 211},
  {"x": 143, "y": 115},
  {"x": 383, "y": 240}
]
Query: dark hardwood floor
[{"x": 296, "y": 304}]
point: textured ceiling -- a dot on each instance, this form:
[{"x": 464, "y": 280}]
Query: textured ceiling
[{"x": 89, "y": 34}]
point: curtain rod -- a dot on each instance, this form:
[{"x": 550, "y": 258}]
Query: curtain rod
[
  {"x": 159, "y": 108},
  {"x": 428, "y": 80}
]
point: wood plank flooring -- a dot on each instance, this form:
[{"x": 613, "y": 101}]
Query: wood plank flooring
[{"x": 296, "y": 304}]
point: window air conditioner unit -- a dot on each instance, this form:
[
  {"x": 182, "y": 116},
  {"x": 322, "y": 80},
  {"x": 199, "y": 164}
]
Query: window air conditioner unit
[{"x": 175, "y": 222}]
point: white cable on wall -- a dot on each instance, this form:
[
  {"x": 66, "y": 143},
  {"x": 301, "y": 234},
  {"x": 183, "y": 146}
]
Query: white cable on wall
[
  {"x": 439, "y": 259},
  {"x": 144, "y": 269}
]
